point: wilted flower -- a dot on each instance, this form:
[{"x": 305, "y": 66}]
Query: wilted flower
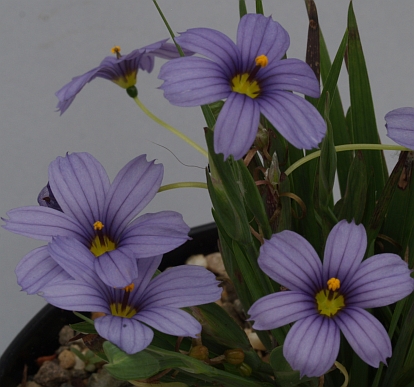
[
  {"x": 253, "y": 78},
  {"x": 121, "y": 70},
  {"x": 329, "y": 297},
  {"x": 400, "y": 126},
  {"x": 99, "y": 215},
  {"x": 129, "y": 311}
]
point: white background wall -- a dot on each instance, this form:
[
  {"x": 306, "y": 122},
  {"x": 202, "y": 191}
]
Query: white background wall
[{"x": 44, "y": 43}]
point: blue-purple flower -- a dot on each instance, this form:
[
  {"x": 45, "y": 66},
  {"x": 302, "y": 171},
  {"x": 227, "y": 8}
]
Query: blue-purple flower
[
  {"x": 100, "y": 215},
  {"x": 144, "y": 302},
  {"x": 121, "y": 70},
  {"x": 328, "y": 298},
  {"x": 253, "y": 78},
  {"x": 400, "y": 126}
]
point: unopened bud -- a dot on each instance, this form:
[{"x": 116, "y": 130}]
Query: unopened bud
[
  {"x": 244, "y": 369},
  {"x": 234, "y": 356},
  {"x": 199, "y": 352}
]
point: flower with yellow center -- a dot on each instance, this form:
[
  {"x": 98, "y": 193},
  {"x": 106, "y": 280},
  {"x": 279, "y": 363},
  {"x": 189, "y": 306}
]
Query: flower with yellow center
[
  {"x": 253, "y": 77},
  {"x": 327, "y": 298},
  {"x": 120, "y": 69},
  {"x": 131, "y": 311},
  {"x": 100, "y": 215}
]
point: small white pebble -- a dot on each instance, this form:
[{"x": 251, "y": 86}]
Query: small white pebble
[{"x": 67, "y": 359}]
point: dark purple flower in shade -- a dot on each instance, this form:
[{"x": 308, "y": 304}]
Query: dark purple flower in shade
[
  {"x": 102, "y": 216},
  {"x": 129, "y": 311},
  {"x": 253, "y": 77},
  {"x": 400, "y": 126},
  {"x": 328, "y": 298},
  {"x": 121, "y": 70}
]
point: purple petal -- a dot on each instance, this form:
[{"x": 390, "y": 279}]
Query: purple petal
[
  {"x": 400, "y": 126},
  {"x": 289, "y": 74},
  {"x": 44, "y": 223},
  {"x": 278, "y": 309},
  {"x": 37, "y": 270},
  {"x": 193, "y": 82},
  {"x": 154, "y": 234},
  {"x": 116, "y": 268},
  {"x": 80, "y": 183},
  {"x": 259, "y": 35},
  {"x": 236, "y": 126},
  {"x": 171, "y": 321},
  {"x": 146, "y": 270},
  {"x": 344, "y": 250},
  {"x": 312, "y": 345},
  {"x": 75, "y": 258},
  {"x": 213, "y": 45},
  {"x": 290, "y": 260},
  {"x": 294, "y": 118},
  {"x": 76, "y": 295},
  {"x": 128, "y": 334},
  {"x": 380, "y": 280},
  {"x": 168, "y": 51},
  {"x": 365, "y": 334},
  {"x": 67, "y": 93},
  {"x": 181, "y": 286},
  {"x": 133, "y": 188}
]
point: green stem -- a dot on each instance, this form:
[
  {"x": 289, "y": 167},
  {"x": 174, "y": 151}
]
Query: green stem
[
  {"x": 184, "y": 184},
  {"x": 343, "y": 148},
  {"x": 170, "y": 128}
]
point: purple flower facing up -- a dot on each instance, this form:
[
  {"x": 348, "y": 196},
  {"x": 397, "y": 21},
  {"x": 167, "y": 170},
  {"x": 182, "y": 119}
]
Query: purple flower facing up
[
  {"x": 121, "y": 70},
  {"x": 253, "y": 78},
  {"x": 101, "y": 216},
  {"x": 154, "y": 302},
  {"x": 328, "y": 298},
  {"x": 400, "y": 126}
]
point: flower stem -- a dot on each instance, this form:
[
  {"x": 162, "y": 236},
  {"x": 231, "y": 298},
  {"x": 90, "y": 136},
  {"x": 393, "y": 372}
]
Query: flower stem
[
  {"x": 170, "y": 128},
  {"x": 343, "y": 148},
  {"x": 184, "y": 184}
]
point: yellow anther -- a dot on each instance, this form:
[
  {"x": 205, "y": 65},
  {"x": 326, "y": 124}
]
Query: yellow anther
[
  {"x": 98, "y": 225},
  {"x": 262, "y": 61},
  {"x": 129, "y": 288},
  {"x": 333, "y": 284},
  {"x": 116, "y": 50}
]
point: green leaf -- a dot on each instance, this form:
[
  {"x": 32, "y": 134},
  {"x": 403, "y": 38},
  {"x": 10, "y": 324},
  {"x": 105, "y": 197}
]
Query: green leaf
[
  {"x": 327, "y": 169},
  {"x": 242, "y": 8},
  {"x": 285, "y": 375},
  {"x": 83, "y": 327},
  {"x": 353, "y": 204},
  {"x": 218, "y": 325},
  {"x": 382, "y": 205},
  {"x": 141, "y": 365},
  {"x": 259, "y": 7},
  {"x": 252, "y": 198},
  {"x": 364, "y": 125}
]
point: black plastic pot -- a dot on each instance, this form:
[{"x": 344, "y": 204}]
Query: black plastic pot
[{"x": 40, "y": 336}]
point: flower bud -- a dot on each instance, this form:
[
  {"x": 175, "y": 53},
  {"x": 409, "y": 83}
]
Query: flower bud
[
  {"x": 199, "y": 352},
  {"x": 245, "y": 369},
  {"x": 234, "y": 356}
]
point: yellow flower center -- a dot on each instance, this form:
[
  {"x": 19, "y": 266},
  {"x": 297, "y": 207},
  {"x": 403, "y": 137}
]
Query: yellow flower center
[
  {"x": 127, "y": 81},
  {"x": 245, "y": 83},
  {"x": 101, "y": 243},
  {"x": 122, "y": 309},
  {"x": 329, "y": 302},
  {"x": 241, "y": 84}
]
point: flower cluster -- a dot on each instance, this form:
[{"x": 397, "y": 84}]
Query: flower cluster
[
  {"x": 98, "y": 247},
  {"x": 102, "y": 257}
]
